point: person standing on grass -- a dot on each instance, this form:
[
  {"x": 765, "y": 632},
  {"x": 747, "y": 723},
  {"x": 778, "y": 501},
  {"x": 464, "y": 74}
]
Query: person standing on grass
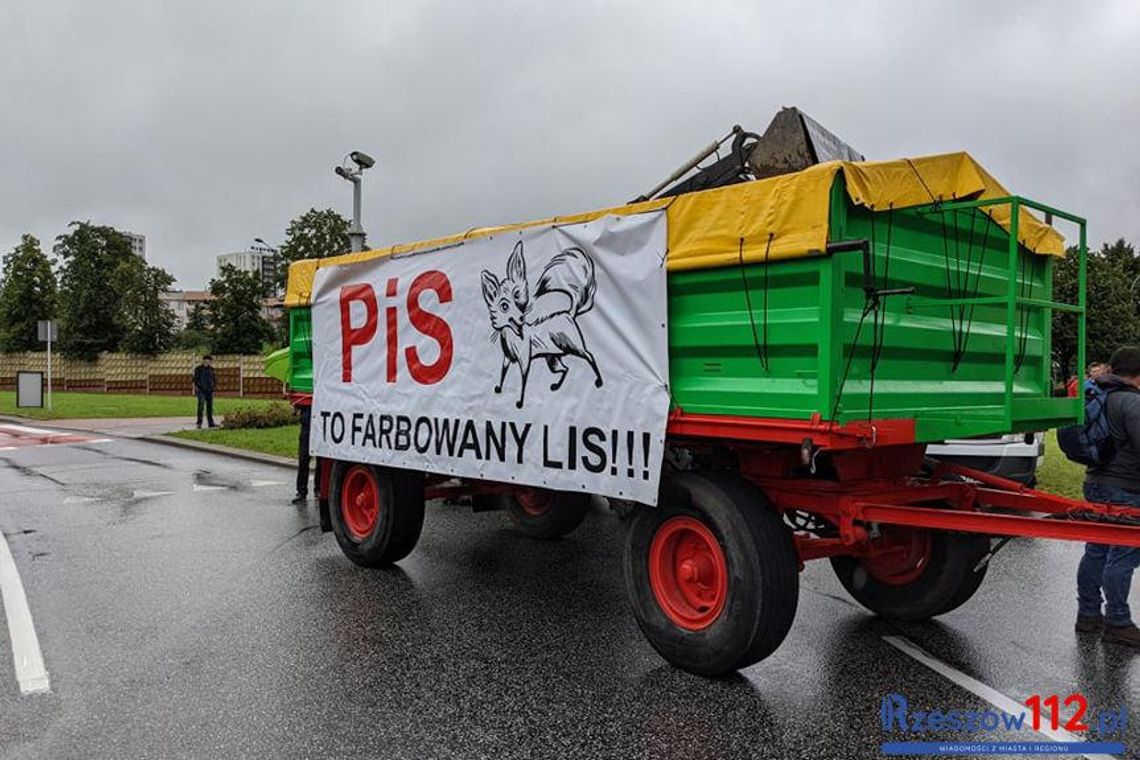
[
  {"x": 1108, "y": 569},
  {"x": 204, "y": 384}
]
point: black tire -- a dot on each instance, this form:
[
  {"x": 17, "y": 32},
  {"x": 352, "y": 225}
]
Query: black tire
[
  {"x": 761, "y": 580},
  {"x": 946, "y": 581},
  {"x": 399, "y": 518},
  {"x": 540, "y": 513},
  {"x": 972, "y": 581}
]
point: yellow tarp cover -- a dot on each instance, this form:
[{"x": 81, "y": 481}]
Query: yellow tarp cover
[{"x": 781, "y": 217}]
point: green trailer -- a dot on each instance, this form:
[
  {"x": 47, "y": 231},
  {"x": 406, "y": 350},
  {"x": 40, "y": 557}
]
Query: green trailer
[
  {"x": 926, "y": 318},
  {"x": 823, "y": 326}
]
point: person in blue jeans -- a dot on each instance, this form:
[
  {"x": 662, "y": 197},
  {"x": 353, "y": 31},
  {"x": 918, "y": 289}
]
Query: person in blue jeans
[{"x": 1104, "y": 576}]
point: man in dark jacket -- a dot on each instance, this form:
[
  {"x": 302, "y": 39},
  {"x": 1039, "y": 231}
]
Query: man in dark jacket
[
  {"x": 304, "y": 406},
  {"x": 1109, "y": 569},
  {"x": 204, "y": 384}
]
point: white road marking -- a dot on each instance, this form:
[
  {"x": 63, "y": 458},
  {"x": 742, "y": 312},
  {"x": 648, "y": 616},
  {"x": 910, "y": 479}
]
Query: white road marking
[
  {"x": 28, "y": 430},
  {"x": 264, "y": 483},
  {"x": 979, "y": 689},
  {"x": 26, "y": 654},
  {"x": 149, "y": 494},
  {"x": 32, "y": 437},
  {"x": 198, "y": 488}
]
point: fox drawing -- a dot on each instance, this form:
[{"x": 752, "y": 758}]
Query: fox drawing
[{"x": 544, "y": 323}]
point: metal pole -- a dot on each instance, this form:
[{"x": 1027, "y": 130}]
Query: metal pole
[
  {"x": 1082, "y": 315},
  {"x": 686, "y": 167},
  {"x": 356, "y": 232},
  {"x": 49, "y": 365}
]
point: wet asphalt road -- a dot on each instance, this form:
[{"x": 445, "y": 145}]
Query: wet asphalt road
[{"x": 186, "y": 609}]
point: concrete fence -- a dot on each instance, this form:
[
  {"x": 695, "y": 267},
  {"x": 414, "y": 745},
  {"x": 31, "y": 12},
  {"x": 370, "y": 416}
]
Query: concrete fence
[{"x": 167, "y": 374}]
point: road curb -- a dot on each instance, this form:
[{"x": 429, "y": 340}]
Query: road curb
[{"x": 213, "y": 448}]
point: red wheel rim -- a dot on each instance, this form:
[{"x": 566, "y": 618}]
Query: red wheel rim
[
  {"x": 534, "y": 501},
  {"x": 688, "y": 573},
  {"x": 360, "y": 501},
  {"x": 899, "y": 556}
]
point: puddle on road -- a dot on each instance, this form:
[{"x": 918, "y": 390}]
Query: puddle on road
[{"x": 207, "y": 479}]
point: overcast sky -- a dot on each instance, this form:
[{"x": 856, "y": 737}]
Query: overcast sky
[{"x": 206, "y": 124}]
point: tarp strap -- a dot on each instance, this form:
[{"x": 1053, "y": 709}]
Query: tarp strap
[
  {"x": 1025, "y": 289},
  {"x": 968, "y": 313},
  {"x": 962, "y": 284},
  {"x": 955, "y": 287},
  {"x": 925, "y": 186},
  {"x": 761, "y": 351},
  {"x": 873, "y": 306}
]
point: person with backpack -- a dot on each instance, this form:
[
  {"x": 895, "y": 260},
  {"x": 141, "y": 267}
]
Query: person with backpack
[
  {"x": 1109, "y": 443},
  {"x": 1074, "y": 387}
]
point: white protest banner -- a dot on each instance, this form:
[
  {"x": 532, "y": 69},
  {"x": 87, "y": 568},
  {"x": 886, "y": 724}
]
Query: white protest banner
[{"x": 537, "y": 357}]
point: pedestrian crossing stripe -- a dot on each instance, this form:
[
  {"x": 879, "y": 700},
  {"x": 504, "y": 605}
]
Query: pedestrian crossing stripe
[{"x": 21, "y": 436}]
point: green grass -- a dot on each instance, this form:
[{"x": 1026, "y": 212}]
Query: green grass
[
  {"x": 1057, "y": 474},
  {"x": 106, "y": 405},
  {"x": 281, "y": 441}
]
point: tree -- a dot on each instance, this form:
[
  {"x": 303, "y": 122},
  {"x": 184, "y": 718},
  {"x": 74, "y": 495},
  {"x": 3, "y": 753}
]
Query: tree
[
  {"x": 196, "y": 334},
  {"x": 313, "y": 235},
  {"x": 235, "y": 312},
  {"x": 1112, "y": 315},
  {"x": 1121, "y": 255},
  {"x": 28, "y": 294},
  {"x": 90, "y": 311},
  {"x": 148, "y": 322},
  {"x": 199, "y": 318}
]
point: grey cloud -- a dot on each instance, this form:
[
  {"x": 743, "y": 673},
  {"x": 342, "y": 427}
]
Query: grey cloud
[{"x": 206, "y": 124}]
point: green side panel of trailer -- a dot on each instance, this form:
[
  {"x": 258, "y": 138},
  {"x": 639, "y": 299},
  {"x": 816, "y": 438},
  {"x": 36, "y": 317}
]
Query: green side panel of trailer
[
  {"x": 301, "y": 350},
  {"x": 800, "y": 337},
  {"x": 966, "y": 354}
]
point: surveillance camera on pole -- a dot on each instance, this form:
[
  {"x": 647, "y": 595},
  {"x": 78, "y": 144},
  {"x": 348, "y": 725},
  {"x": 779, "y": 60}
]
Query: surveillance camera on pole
[{"x": 363, "y": 161}]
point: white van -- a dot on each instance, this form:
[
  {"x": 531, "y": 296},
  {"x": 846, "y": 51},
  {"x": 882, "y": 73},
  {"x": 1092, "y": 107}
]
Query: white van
[{"x": 1015, "y": 456}]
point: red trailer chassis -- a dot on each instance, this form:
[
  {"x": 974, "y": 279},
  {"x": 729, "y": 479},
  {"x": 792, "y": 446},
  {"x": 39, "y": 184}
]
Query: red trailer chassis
[
  {"x": 744, "y": 504},
  {"x": 878, "y": 478}
]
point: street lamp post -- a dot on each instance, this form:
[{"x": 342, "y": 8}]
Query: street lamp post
[{"x": 363, "y": 161}]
